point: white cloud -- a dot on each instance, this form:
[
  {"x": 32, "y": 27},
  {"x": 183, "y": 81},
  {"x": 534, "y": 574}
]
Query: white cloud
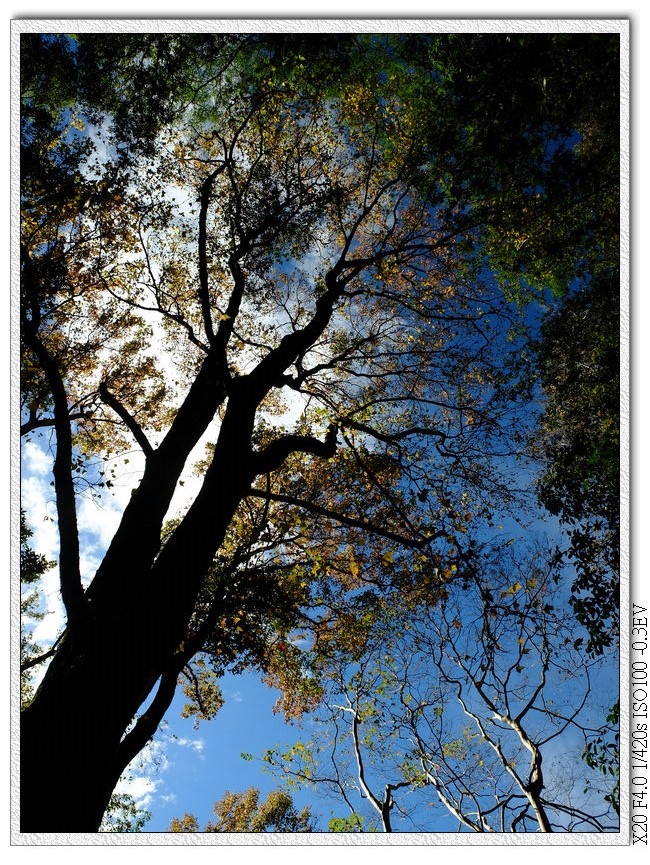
[
  {"x": 168, "y": 799},
  {"x": 197, "y": 745},
  {"x": 40, "y": 510},
  {"x": 143, "y": 778},
  {"x": 140, "y": 787},
  {"x": 35, "y": 459},
  {"x": 97, "y": 522},
  {"x": 37, "y": 498}
]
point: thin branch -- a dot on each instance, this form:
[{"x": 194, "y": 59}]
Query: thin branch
[
  {"x": 148, "y": 723},
  {"x": 175, "y": 317},
  {"x": 188, "y": 672},
  {"x": 453, "y": 808},
  {"x": 136, "y": 430},
  {"x": 204, "y": 288},
  {"x": 376, "y": 803},
  {"x": 382, "y": 806},
  {"x": 39, "y": 423},
  {"x": 364, "y": 525},
  {"x": 33, "y": 662},
  {"x": 392, "y": 438}
]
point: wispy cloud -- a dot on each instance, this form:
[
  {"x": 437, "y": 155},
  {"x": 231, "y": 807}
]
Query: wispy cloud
[
  {"x": 197, "y": 745},
  {"x": 144, "y": 778}
]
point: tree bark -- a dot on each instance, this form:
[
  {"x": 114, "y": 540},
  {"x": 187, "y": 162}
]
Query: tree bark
[
  {"x": 102, "y": 673},
  {"x": 136, "y": 619}
]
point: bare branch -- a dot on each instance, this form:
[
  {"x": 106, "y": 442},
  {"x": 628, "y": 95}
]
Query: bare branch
[
  {"x": 344, "y": 520},
  {"x": 72, "y": 592},
  {"x": 136, "y": 430},
  {"x": 275, "y": 453}
]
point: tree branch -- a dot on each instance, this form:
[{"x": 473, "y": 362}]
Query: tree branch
[
  {"x": 175, "y": 317},
  {"x": 353, "y": 522},
  {"x": 204, "y": 289},
  {"x": 72, "y": 592},
  {"x": 275, "y": 453},
  {"x": 391, "y": 438},
  {"x": 134, "y": 427},
  {"x": 148, "y": 723},
  {"x": 39, "y": 423},
  {"x": 33, "y": 662}
]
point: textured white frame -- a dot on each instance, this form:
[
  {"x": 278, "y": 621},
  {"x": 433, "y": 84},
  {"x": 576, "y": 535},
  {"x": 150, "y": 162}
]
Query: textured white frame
[{"x": 322, "y": 24}]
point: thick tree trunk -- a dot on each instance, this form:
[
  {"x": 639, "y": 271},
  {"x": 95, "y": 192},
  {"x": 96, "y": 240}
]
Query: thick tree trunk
[
  {"x": 109, "y": 663},
  {"x": 71, "y": 733}
]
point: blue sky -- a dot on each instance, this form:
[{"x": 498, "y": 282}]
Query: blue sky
[{"x": 203, "y": 764}]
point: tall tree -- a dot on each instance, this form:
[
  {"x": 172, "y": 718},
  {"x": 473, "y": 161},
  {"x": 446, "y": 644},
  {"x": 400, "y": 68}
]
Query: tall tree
[
  {"x": 578, "y": 352},
  {"x": 224, "y": 243}
]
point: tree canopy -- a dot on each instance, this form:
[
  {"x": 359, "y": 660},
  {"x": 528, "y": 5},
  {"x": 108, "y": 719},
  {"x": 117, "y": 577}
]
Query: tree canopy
[
  {"x": 243, "y": 812},
  {"x": 291, "y": 276},
  {"x": 580, "y": 444}
]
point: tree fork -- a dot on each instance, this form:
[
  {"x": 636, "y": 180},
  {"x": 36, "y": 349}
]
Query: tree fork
[{"x": 104, "y": 670}]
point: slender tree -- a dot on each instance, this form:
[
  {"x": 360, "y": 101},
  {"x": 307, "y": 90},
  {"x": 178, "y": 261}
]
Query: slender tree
[{"x": 464, "y": 705}]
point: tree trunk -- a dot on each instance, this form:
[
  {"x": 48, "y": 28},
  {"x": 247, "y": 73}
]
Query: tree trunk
[
  {"x": 71, "y": 733},
  {"x": 130, "y": 636}
]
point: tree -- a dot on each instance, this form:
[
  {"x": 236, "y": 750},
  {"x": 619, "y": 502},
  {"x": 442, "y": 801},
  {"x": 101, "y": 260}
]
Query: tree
[
  {"x": 578, "y": 353},
  {"x": 578, "y": 442},
  {"x": 122, "y": 814},
  {"x": 243, "y": 812},
  {"x": 223, "y": 244},
  {"x": 32, "y": 568},
  {"x": 466, "y": 705}
]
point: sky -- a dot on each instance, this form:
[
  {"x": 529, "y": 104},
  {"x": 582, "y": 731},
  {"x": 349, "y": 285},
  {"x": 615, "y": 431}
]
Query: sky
[{"x": 182, "y": 783}]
